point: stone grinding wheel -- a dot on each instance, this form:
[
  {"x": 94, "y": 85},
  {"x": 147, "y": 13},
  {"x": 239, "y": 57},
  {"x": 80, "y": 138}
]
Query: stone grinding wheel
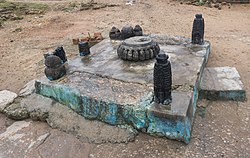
[{"x": 138, "y": 48}]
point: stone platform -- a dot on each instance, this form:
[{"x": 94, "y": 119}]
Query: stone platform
[{"x": 103, "y": 87}]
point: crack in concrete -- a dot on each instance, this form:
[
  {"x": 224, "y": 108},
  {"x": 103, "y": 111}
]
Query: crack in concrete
[
  {"x": 43, "y": 140},
  {"x": 105, "y": 77}
]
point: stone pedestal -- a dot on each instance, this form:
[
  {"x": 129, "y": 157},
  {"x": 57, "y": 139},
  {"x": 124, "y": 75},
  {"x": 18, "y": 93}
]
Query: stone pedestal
[{"x": 106, "y": 88}]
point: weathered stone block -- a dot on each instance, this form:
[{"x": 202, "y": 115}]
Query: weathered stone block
[
  {"x": 175, "y": 121},
  {"x": 27, "y": 89},
  {"x": 63, "y": 94},
  {"x": 222, "y": 83}
]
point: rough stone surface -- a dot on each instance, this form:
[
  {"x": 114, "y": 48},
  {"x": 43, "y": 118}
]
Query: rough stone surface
[
  {"x": 28, "y": 88},
  {"x": 2, "y": 123},
  {"x": 59, "y": 116},
  {"x": 6, "y": 97},
  {"x": 222, "y": 83},
  {"x": 29, "y": 139},
  {"x": 186, "y": 61},
  {"x": 16, "y": 111}
]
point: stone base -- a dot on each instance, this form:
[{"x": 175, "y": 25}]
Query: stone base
[
  {"x": 222, "y": 83},
  {"x": 103, "y": 87},
  {"x": 175, "y": 122}
]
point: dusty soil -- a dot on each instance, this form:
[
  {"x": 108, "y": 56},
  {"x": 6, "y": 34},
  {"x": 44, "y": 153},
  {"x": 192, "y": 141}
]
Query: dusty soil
[{"x": 221, "y": 129}]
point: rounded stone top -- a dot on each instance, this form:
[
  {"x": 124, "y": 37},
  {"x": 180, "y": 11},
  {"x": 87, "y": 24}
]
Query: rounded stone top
[
  {"x": 127, "y": 32},
  {"x": 127, "y": 29},
  {"x": 162, "y": 58},
  {"x": 137, "y": 28},
  {"x": 138, "y": 41},
  {"x": 53, "y": 61},
  {"x": 199, "y": 16}
]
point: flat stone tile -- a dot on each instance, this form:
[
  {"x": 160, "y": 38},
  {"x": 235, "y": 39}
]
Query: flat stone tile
[{"x": 222, "y": 83}]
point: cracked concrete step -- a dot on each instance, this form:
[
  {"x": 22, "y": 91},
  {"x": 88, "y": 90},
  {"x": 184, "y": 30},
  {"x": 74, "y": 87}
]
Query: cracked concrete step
[{"x": 222, "y": 83}]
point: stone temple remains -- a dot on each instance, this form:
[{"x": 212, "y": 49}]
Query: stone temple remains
[{"x": 148, "y": 83}]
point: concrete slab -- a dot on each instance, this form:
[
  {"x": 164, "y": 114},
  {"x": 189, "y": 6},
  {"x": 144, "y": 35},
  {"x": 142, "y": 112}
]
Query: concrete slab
[
  {"x": 103, "y": 87},
  {"x": 222, "y": 83}
]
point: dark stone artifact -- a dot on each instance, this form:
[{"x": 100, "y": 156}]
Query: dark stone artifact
[
  {"x": 162, "y": 80},
  {"x": 115, "y": 34},
  {"x": 58, "y": 52},
  {"x": 55, "y": 69},
  {"x": 127, "y": 32},
  {"x": 138, "y": 48},
  {"x": 61, "y": 54},
  {"x": 137, "y": 31},
  {"x": 198, "y": 30},
  {"x": 84, "y": 48}
]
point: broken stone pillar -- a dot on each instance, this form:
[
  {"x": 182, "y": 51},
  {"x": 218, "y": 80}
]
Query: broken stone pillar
[
  {"x": 162, "y": 80},
  {"x": 198, "y": 30},
  {"x": 84, "y": 48}
]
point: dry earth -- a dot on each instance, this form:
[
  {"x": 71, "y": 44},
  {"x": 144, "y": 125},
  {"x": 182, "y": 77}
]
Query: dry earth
[{"x": 221, "y": 129}]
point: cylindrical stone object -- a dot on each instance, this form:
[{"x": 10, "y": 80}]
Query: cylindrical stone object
[{"x": 162, "y": 80}]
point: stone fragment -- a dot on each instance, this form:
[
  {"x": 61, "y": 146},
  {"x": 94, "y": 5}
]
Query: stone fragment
[
  {"x": 223, "y": 3},
  {"x": 217, "y": 5},
  {"x": 37, "y": 139},
  {"x": 27, "y": 89},
  {"x": 75, "y": 41},
  {"x": 16, "y": 112},
  {"x": 14, "y": 128},
  {"x": 6, "y": 97}
]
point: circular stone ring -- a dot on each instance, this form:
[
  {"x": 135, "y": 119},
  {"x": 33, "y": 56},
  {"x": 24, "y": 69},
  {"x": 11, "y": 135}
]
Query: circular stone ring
[{"x": 138, "y": 48}]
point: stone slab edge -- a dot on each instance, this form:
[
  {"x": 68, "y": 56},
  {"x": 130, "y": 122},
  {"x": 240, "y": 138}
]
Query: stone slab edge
[{"x": 211, "y": 94}]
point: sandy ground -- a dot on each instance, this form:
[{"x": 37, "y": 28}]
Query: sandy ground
[{"x": 221, "y": 129}]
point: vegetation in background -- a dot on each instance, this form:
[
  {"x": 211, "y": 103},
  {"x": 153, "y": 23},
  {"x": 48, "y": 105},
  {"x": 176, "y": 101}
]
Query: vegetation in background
[{"x": 15, "y": 10}]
